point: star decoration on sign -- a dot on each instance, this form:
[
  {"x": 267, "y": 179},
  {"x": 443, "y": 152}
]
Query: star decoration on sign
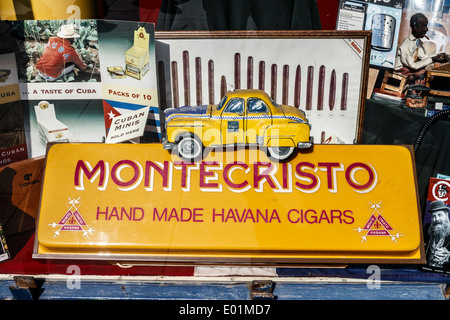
[{"x": 111, "y": 115}]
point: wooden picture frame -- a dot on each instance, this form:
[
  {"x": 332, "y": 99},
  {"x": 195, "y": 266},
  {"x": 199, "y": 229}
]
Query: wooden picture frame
[{"x": 324, "y": 73}]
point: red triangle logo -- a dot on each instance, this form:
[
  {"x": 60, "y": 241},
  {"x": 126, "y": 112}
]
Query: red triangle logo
[{"x": 109, "y": 113}]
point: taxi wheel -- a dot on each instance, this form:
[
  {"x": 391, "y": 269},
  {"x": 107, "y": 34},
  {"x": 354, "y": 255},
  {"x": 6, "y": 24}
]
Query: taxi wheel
[
  {"x": 190, "y": 148},
  {"x": 280, "y": 153}
]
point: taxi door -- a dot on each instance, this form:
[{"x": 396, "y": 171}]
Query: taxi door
[
  {"x": 232, "y": 122},
  {"x": 259, "y": 118}
]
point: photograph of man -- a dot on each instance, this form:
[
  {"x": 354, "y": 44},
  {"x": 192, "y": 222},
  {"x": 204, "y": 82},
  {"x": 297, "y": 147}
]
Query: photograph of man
[
  {"x": 59, "y": 57},
  {"x": 412, "y": 57},
  {"x": 438, "y": 235}
]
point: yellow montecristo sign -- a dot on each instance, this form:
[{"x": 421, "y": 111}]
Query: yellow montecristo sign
[{"x": 127, "y": 202}]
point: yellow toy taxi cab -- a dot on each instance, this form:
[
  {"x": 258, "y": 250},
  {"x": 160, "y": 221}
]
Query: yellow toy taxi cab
[{"x": 243, "y": 117}]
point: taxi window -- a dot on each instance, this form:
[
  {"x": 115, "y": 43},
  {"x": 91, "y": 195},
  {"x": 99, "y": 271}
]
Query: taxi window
[
  {"x": 235, "y": 105},
  {"x": 222, "y": 103},
  {"x": 255, "y": 105}
]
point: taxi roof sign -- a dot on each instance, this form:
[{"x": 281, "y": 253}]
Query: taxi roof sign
[{"x": 338, "y": 204}]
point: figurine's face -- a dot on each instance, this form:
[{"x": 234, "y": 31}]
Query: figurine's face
[{"x": 421, "y": 28}]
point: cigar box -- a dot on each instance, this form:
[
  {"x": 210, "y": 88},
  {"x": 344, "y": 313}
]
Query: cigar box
[
  {"x": 50, "y": 128},
  {"x": 116, "y": 72},
  {"x": 4, "y": 253},
  {"x": 20, "y": 193},
  {"x": 4, "y": 74},
  {"x": 137, "y": 57}
]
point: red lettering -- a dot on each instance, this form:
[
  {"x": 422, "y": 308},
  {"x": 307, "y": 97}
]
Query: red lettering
[
  {"x": 330, "y": 173},
  {"x": 82, "y": 167},
  {"x": 118, "y": 93},
  {"x": 129, "y": 174},
  {"x": 157, "y": 217},
  {"x": 184, "y": 170},
  {"x": 311, "y": 177},
  {"x": 311, "y": 216},
  {"x": 314, "y": 216},
  {"x": 324, "y": 216},
  {"x": 115, "y": 173},
  {"x": 349, "y": 175},
  {"x": 173, "y": 214},
  {"x": 204, "y": 173},
  {"x": 163, "y": 171},
  {"x": 226, "y": 175},
  {"x": 289, "y": 216},
  {"x": 285, "y": 175},
  {"x": 133, "y": 214},
  {"x": 265, "y": 174},
  {"x": 336, "y": 216},
  {"x": 185, "y": 215},
  {"x": 246, "y": 215},
  {"x": 348, "y": 214}
]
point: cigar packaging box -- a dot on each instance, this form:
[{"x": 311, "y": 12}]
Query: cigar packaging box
[
  {"x": 50, "y": 128},
  {"x": 137, "y": 57}
]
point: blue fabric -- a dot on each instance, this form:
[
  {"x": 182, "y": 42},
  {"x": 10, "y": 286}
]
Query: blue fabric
[{"x": 387, "y": 273}]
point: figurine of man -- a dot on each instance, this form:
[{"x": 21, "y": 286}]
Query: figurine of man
[
  {"x": 412, "y": 57},
  {"x": 438, "y": 243},
  {"x": 59, "y": 57}
]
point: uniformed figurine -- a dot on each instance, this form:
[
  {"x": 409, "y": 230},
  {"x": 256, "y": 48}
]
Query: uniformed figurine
[{"x": 412, "y": 56}]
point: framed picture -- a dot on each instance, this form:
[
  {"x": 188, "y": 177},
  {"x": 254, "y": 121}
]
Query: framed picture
[
  {"x": 323, "y": 73},
  {"x": 383, "y": 18}
]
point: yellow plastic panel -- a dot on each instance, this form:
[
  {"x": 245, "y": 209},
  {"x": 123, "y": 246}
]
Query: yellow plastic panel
[
  {"x": 336, "y": 204},
  {"x": 45, "y": 10}
]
